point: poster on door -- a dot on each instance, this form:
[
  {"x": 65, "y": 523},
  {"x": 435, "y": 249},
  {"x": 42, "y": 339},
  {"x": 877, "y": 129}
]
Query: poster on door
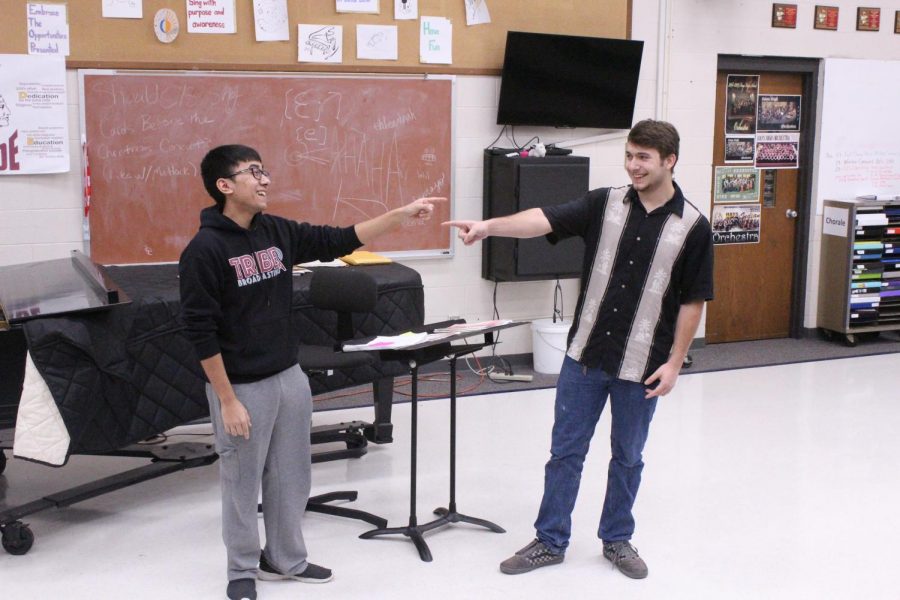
[
  {"x": 736, "y": 184},
  {"x": 777, "y": 150},
  {"x": 739, "y": 149},
  {"x": 778, "y": 113},
  {"x": 735, "y": 223},
  {"x": 740, "y": 104}
]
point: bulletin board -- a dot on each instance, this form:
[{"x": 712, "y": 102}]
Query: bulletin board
[
  {"x": 340, "y": 150},
  {"x": 98, "y": 42}
]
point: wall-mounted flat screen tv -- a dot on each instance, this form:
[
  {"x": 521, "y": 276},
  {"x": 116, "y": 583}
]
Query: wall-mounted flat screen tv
[{"x": 568, "y": 81}]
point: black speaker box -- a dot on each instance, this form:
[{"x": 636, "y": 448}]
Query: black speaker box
[{"x": 514, "y": 184}]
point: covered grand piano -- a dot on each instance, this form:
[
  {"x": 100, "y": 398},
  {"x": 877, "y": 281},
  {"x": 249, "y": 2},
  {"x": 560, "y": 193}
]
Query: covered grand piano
[{"x": 98, "y": 356}]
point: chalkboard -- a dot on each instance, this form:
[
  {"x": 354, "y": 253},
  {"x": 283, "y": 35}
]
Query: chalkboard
[
  {"x": 340, "y": 150},
  {"x": 858, "y": 148}
]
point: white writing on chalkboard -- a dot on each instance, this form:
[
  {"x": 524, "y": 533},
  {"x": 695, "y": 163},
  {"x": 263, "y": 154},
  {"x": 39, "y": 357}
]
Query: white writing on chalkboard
[
  {"x": 147, "y": 172},
  {"x": 154, "y": 122},
  {"x": 105, "y": 151},
  {"x": 340, "y": 150},
  {"x": 393, "y": 122},
  {"x": 169, "y": 96},
  {"x": 436, "y": 188},
  {"x": 303, "y": 105}
]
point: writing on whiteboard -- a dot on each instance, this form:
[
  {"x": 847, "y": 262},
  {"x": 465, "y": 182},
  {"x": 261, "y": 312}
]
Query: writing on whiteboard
[{"x": 880, "y": 169}]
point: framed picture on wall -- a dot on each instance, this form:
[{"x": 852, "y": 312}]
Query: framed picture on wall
[
  {"x": 868, "y": 19},
  {"x": 897, "y": 22},
  {"x": 826, "y": 18},
  {"x": 784, "y": 15}
]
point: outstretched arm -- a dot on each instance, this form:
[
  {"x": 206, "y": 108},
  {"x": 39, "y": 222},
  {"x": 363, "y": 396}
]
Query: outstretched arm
[
  {"x": 526, "y": 224},
  {"x": 420, "y": 209}
]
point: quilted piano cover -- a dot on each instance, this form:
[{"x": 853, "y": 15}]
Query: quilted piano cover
[{"x": 122, "y": 375}]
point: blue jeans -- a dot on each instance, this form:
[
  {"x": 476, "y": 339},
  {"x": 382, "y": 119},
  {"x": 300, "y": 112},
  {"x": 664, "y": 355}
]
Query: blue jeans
[{"x": 581, "y": 394}]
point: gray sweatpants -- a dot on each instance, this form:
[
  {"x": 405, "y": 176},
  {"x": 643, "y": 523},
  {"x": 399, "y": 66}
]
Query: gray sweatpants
[{"x": 278, "y": 455}]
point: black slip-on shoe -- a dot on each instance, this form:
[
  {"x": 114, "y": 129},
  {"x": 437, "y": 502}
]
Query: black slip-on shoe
[
  {"x": 311, "y": 574},
  {"x": 241, "y": 589}
]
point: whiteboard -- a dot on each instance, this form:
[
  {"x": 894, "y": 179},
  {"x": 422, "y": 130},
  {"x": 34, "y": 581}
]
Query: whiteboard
[{"x": 859, "y": 144}]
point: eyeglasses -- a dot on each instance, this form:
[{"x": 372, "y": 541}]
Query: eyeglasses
[{"x": 257, "y": 172}]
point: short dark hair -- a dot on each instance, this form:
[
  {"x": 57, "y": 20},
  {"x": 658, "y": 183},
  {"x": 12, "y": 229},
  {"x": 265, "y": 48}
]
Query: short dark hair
[
  {"x": 220, "y": 162},
  {"x": 659, "y": 135}
]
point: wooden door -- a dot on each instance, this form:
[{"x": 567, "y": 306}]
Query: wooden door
[{"x": 753, "y": 281}]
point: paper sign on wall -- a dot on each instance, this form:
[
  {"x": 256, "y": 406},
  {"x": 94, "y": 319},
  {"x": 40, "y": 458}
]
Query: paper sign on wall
[
  {"x": 123, "y": 9},
  {"x": 357, "y": 6},
  {"x": 271, "y": 20},
  {"x": 320, "y": 43},
  {"x": 477, "y": 12},
  {"x": 48, "y": 29},
  {"x": 436, "y": 41},
  {"x": 211, "y": 16},
  {"x": 34, "y": 122},
  {"x": 405, "y": 10},
  {"x": 376, "y": 42}
]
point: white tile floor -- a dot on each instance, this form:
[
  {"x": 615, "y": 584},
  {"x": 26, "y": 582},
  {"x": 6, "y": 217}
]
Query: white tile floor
[{"x": 772, "y": 483}]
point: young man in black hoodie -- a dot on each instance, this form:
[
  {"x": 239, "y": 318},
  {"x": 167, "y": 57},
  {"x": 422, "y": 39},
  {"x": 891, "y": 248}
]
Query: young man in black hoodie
[{"x": 236, "y": 289}]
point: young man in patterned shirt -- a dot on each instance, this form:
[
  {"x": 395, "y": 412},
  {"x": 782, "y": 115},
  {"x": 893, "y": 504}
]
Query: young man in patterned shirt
[{"x": 646, "y": 275}]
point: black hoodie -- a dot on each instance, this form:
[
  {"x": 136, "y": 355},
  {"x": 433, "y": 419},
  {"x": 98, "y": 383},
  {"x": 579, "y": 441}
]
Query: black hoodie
[{"x": 236, "y": 288}]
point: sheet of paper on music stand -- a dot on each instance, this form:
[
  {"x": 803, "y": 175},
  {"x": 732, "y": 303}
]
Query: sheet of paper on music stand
[
  {"x": 467, "y": 327},
  {"x": 319, "y": 263},
  {"x": 388, "y": 342}
]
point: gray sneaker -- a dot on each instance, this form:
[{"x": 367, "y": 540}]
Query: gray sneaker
[
  {"x": 625, "y": 557},
  {"x": 533, "y": 556}
]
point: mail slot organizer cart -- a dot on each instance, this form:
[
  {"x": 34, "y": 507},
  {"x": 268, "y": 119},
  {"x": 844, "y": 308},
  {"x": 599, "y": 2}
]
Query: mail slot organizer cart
[{"x": 859, "y": 278}]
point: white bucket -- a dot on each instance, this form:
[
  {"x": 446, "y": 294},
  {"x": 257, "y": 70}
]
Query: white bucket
[{"x": 549, "y": 344}]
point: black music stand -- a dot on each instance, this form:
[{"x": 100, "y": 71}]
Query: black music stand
[{"x": 416, "y": 356}]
